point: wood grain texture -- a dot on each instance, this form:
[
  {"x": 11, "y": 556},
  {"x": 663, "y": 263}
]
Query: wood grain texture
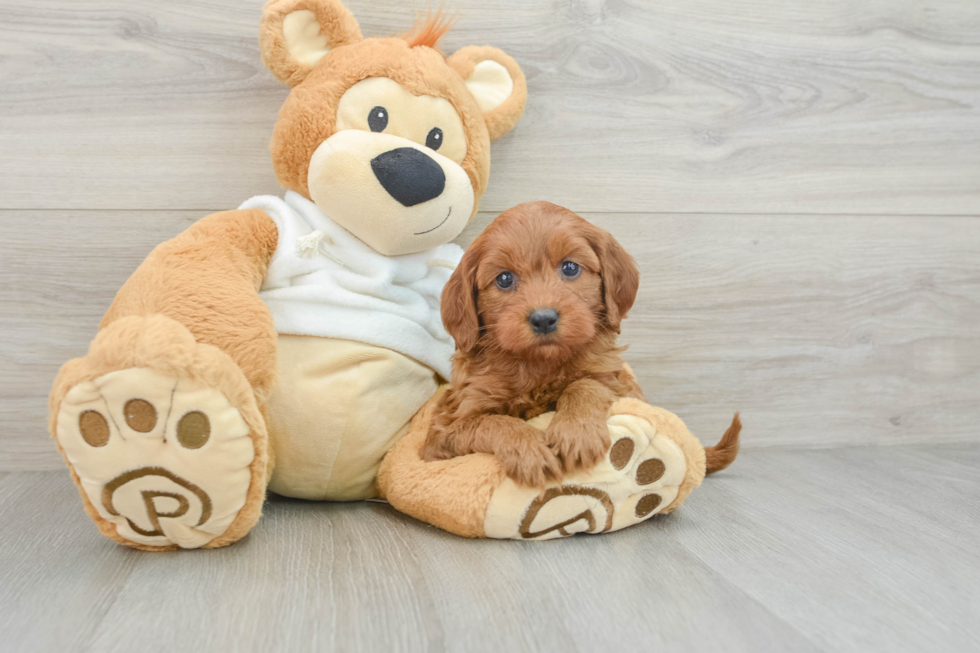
[
  {"x": 675, "y": 106},
  {"x": 819, "y": 537},
  {"x": 55, "y": 586},
  {"x": 868, "y": 549},
  {"x": 822, "y": 330},
  {"x": 62, "y": 271}
]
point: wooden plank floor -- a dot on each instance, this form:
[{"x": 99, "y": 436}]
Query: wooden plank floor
[{"x": 860, "y": 549}]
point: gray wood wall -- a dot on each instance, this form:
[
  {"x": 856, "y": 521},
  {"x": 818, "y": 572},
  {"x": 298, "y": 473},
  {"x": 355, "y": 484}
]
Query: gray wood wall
[{"x": 800, "y": 182}]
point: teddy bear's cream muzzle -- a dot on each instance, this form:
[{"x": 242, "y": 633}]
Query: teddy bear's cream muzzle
[{"x": 396, "y": 196}]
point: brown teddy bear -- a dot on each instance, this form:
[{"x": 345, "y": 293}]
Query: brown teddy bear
[{"x": 289, "y": 343}]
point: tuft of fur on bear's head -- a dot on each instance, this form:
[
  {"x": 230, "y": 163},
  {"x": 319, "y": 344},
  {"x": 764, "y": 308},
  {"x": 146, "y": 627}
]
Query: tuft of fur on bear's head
[
  {"x": 429, "y": 31},
  {"x": 388, "y": 136}
]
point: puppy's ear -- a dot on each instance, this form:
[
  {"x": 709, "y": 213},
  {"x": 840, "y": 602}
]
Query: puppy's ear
[
  {"x": 497, "y": 83},
  {"x": 458, "y": 304},
  {"x": 620, "y": 276},
  {"x": 295, "y": 34}
]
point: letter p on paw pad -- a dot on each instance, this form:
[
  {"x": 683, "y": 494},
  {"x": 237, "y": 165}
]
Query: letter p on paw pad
[{"x": 165, "y": 460}]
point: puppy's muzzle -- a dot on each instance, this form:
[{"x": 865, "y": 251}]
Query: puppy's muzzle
[
  {"x": 409, "y": 175},
  {"x": 543, "y": 320}
]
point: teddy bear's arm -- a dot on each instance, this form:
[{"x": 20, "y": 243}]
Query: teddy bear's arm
[{"x": 207, "y": 278}]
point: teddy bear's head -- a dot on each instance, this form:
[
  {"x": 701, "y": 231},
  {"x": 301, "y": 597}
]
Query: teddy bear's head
[{"x": 388, "y": 136}]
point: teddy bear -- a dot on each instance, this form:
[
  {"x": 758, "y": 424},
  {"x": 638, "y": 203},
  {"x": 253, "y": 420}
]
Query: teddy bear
[{"x": 286, "y": 345}]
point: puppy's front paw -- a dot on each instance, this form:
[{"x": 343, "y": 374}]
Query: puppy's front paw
[
  {"x": 580, "y": 444},
  {"x": 529, "y": 462}
]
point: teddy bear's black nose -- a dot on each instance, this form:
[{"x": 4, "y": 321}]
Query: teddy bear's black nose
[{"x": 409, "y": 175}]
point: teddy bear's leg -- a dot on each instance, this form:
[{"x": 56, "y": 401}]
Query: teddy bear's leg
[
  {"x": 652, "y": 466},
  {"x": 161, "y": 422}
]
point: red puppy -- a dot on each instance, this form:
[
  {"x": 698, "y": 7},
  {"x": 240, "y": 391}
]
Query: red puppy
[{"x": 535, "y": 307}]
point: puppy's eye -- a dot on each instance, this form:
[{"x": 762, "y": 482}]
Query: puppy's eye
[
  {"x": 378, "y": 119},
  {"x": 570, "y": 269},
  {"x": 434, "y": 139},
  {"x": 505, "y": 280}
]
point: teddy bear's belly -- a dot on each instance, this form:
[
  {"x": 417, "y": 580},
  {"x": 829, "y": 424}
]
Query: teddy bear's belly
[{"x": 337, "y": 408}]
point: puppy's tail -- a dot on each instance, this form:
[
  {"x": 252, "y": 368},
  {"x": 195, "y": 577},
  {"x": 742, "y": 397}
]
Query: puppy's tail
[{"x": 721, "y": 455}]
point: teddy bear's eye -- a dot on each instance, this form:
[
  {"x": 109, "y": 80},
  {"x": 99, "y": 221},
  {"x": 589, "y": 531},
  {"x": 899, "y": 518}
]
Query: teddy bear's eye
[
  {"x": 378, "y": 119},
  {"x": 434, "y": 139}
]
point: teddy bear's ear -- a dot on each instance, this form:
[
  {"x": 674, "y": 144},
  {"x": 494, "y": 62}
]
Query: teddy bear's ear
[
  {"x": 295, "y": 34},
  {"x": 497, "y": 83}
]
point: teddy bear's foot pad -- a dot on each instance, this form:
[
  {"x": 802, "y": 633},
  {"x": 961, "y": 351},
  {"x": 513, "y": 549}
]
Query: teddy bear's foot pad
[
  {"x": 640, "y": 477},
  {"x": 166, "y": 460}
]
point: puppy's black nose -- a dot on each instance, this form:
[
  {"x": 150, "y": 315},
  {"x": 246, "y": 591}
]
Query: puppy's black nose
[
  {"x": 543, "y": 320},
  {"x": 409, "y": 175}
]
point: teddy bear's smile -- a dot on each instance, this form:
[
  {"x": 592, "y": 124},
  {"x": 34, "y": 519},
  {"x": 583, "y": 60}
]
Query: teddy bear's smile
[{"x": 420, "y": 233}]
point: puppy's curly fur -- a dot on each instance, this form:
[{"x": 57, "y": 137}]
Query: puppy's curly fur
[{"x": 504, "y": 372}]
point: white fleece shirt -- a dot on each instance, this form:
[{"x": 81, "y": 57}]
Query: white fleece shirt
[{"x": 323, "y": 281}]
